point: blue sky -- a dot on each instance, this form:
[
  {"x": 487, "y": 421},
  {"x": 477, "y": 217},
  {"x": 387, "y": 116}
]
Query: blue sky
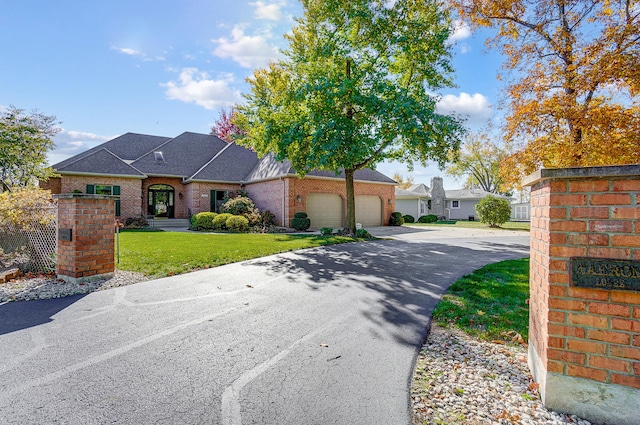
[{"x": 163, "y": 67}]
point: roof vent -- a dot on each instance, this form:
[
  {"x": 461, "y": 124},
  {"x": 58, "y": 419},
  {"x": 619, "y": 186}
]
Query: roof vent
[{"x": 157, "y": 155}]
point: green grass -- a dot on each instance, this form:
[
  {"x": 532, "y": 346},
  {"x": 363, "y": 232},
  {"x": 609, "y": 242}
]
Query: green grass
[
  {"x": 509, "y": 225},
  {"x": 158, "y": 254},
  {"x": 489, "y": 303}
]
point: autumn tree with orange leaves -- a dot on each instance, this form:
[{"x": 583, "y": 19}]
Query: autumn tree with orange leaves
[{"x": 573, "y": 80}]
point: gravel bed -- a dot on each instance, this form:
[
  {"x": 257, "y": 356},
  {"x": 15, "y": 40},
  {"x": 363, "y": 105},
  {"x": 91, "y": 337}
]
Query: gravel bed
[
  {"x": 44, "y": 287},
  {"x": 460, "y": 380}
]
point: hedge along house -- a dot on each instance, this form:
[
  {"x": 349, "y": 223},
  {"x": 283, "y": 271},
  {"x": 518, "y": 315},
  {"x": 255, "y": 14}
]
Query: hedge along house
[{"x": 177, "y": 177}]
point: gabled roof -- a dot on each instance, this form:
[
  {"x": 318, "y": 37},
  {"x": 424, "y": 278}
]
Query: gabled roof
[
  {"x": 183, "y": 155},
  {"x": 420, "y": 188},
  {"x": 128, "y": 147},
  {"x": 407, "y": 194},
  {"x": 232, "y": 164},
  {"x": 101, "y": 162},
  {"x": 191, "y": 156}
]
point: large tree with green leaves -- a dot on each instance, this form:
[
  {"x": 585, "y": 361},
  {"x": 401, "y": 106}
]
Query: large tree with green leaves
[
  {"x": 479, "y": 161},
  {"x": 25, "y": 140},
  {"x": 356, "y": 88}
]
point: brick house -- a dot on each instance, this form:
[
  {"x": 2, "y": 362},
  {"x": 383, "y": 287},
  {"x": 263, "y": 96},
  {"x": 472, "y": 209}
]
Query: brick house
[{"x": 176, "y": 177}]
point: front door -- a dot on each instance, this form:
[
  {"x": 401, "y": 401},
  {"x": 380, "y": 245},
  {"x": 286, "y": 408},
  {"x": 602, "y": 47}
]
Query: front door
[{"x": 161, "y": 201}]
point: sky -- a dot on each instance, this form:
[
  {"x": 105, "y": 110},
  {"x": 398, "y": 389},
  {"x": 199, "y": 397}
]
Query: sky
[{"x": 163, "y": 67}]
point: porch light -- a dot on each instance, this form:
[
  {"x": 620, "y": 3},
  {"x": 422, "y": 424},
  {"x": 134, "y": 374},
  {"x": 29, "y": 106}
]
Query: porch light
[{"x": 299, "y": 198}]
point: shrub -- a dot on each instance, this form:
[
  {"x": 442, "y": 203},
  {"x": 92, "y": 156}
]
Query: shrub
[
  {"x": 237, "y": 223},
  {"x": 363, "y": 234},
  {"x": 203, "y": 221},
  {"x": 220, "y": 221},
  {"x": 430, "y": 218},
  {"x": 326, "y": 231},
  {"x": 409, "y": 218},
  {"x": 231, "y": 194},
  {"x": 26, "y": 208},
  {"x": 493, "y": 211},
  {"x": 300, "y": 221},
  {"x": 135, "y": 223},
  {"x": 240, "y": 205},
  {"x": 396, "y": 219},
  {"x": 267, "y": 218}
]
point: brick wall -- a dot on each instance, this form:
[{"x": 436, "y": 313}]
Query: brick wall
[
  {"x": 268, "y": 195},
  {"x": 577, "y": 332},
  {"x": 90, "y": 252},
  {"x": 198, "y": 195},
  {"x": 130, "y": 190}
]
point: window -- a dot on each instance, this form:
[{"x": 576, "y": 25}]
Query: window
[
  {"x": 455, "y": 204},
  {"x": 429, "y": 203},
  {"x": 422, "y": 207},
  {"x": 105, "y": 189}
]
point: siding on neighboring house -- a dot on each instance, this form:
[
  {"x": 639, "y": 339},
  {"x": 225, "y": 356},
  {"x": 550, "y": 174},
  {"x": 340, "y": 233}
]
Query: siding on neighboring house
[
  {"x": 521, "y": 211},
  {"x": 409, "y": 207},
  {"x": 465, "y": 210}
]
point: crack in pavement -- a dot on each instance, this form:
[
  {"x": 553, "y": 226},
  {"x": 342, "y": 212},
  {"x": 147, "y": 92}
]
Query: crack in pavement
[{"x": 230, "y": 397}]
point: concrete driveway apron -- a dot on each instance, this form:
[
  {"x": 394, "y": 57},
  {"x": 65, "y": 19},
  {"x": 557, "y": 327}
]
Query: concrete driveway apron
[{"x": 319, "y": 336}]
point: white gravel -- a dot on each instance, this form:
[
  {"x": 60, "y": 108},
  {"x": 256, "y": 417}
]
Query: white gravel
[
  {"x": 460, "y": 380},
  {"x": 44, "y": 287}
]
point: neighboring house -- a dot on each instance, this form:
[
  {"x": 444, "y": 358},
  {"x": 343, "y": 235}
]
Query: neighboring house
[
  {"x": 419, "y": 200},
  {"x": 176, "y": 177},
  {"x": 521, "y": 211}
]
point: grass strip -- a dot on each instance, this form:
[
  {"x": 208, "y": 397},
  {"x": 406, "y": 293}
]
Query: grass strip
[
  {"x": 490, "y": 303},
  {"x": 158, "y": 254},
  {"x": 509, "y": 225}
]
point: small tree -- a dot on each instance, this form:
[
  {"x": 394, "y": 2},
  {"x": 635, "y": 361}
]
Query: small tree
[
  {"x": 25, "y": 140},
  {"x": 493, "y": 211},
  {"x": 224, "y": 127}
]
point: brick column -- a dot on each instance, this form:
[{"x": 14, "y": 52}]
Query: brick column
[
  {"x": 584, "y": 342},
  {"x": 85, "y": 237}
]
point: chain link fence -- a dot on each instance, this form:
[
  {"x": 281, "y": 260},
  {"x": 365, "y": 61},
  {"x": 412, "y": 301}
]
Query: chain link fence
[{"x": 30, "y": 242}]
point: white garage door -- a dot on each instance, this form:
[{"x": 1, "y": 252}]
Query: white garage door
[
  {"x": 368, "y": 210},
  {"x": 324, "y": 210}
]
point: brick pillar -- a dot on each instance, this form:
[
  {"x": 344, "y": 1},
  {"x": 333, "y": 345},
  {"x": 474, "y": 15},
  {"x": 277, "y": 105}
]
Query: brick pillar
[
  {"x": 85, "y": 237},
  {"x": 584, "y": 322}
]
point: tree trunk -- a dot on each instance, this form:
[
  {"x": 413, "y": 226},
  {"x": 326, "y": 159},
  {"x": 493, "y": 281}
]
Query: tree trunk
[{"x": 351, "y": 202}]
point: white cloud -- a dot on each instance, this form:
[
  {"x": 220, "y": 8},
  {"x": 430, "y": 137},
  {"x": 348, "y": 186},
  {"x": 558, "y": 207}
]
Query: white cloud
[
  {"x": 250, "y": 51},
  {"x": 70, "y": 142},
  {"x": 460, "y": 31},
  {"x": 196, "y": 87},
  {"x": 271, "y": 11},
  {"x": 476, "y": 107},
  {"x": 137, "y": 53}
]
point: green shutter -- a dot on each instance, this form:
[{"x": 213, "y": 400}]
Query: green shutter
[
  {"x": 91, "y": 189},
  {"x": 212, "y": 201},
  {"x": 118, "y": 208},
  {"x": 116, "y": 190}
]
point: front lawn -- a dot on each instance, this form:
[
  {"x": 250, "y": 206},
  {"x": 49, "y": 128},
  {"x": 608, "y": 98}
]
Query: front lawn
[
  {"x": 490, "y": 303},
  {"x": 158, "y": 254},
  {"x": 509, "y": 225}
]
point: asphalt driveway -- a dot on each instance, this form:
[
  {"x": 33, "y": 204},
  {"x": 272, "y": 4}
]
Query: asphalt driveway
[{"x": 320, "y": 336}]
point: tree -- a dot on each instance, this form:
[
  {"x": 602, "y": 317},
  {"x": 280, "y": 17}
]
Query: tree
[
  {"x": 479, "y": 160},
  {"x": 493, "y": 211},
  {"x": 24, "y": 143},
  {"x": 402, "y": 183},
  {"x": 224, "y": 127},
  {"x": 574, "y": 96},
  {"x": 355, "y": 89}
]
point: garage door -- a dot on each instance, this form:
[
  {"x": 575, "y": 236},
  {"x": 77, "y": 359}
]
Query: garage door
[
  {"x": 368, "y": 210},
  {"x": 324, "y": 210}
]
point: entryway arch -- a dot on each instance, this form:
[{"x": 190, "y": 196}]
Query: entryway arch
[{"x": 161, "y": 200}]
